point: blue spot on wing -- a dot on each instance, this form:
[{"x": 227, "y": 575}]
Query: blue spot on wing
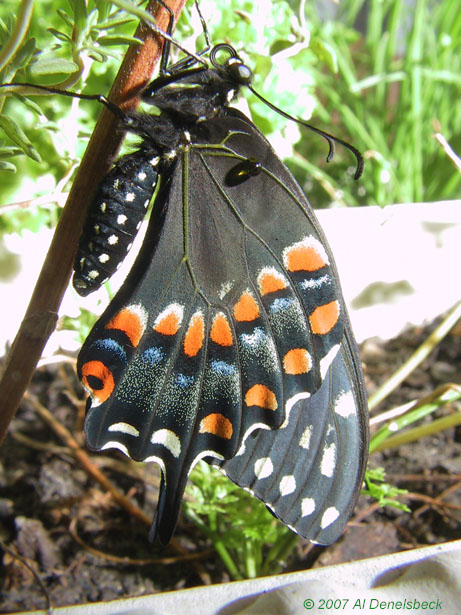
[
  {"x": 110, "y": 345},
  {"x": 183, "y": 381},
  {"x": 223, "y": 369},
  {"x": 279, "y": 305},
  {"x": 153, "y": 355}
]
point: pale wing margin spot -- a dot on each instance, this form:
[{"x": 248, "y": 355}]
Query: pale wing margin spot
[
  {"x": 345, "y": 404},
  {"x": 155, "y": 459},
  {"x": 249, "y": 431},
  {"x": 328, "y": 360},
  {"x": 124, "y": 428},
  {"x": 113, "y": 444},
  {"x": 203, "y": 454},
  {"x": 168, "y": 439},
  {"x": 289, "y": 406},
  {"x": 327, "y": 465},
  {"x": 329, "y": 517}
]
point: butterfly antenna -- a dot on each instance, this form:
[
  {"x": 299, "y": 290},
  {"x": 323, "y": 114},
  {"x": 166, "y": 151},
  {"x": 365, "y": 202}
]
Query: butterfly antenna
[{"x": 330, "y": 139}]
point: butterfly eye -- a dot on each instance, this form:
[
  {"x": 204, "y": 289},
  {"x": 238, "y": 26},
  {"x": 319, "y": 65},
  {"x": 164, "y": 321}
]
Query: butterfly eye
[{"x": 239, "y": 72}]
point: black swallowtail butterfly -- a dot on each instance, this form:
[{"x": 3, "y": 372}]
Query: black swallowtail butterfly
[{"x": 229, "y": 340}]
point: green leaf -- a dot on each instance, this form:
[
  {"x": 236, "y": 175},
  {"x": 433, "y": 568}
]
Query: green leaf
[
  {"x": 62, "y": 36},
  {"x": 326, "y": 53},
  {"x": 51, "y": 65},
  {"x": 119, "y": 40},
  {"x": 65, "y": 17},
  {"x": 18, "y": 136},
  {"x": 7, "y": 166}
]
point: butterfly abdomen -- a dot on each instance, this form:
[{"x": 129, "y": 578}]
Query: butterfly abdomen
[{"x": 114, "y": 218}]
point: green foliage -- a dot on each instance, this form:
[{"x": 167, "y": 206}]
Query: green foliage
[
  {"x": 60, "y": 48},
  {"x": 392, "y": 83},
  {"x": 396, "y": 433},
  {"x": 381, "y": 491},
  {"x": 248, "y": 539}
]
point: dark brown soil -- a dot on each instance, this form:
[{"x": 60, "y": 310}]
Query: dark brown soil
[{"x": 49, "y": 503}]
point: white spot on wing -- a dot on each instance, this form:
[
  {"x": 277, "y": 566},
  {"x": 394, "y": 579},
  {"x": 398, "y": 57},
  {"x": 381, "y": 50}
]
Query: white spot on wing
[
  {"x": 112, "y": 240},
  {"x": 327, "y": 465},
  {"x": 345, "y": 404},
  {"x": 225, "y": 288},
  {"x": 263, "y": 467},
  {"x": 93, "y": 274},
  {"x": 307, "y": 506},
  {"x": 316, "y": 283},
  {"x": 204, "y": 454},
  {"x": 287, "y": 485},
  {"x": 124, "y": 428},
  {"x": 289, "y": 406},
  {"x": 328, "y": 360},
  {"x": 113, "y": 444},
  {"x": 249, "y": 431},
  {"x": 130, "y": 197},
  {"x": 103, "y": 258},
  {"x": 305, "y": 439},
  {"x": 121, "y": 219},
  {"x": 155, "y": 459},
  {"x": 168, "y": 439},
  {"x": 329, "y": 517}
]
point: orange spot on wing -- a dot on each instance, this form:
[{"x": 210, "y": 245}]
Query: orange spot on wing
[
  {"x": 246, "y": 309},
  {"x": 324, "y": 318},
  {"x": 218, "y": 425},
  {"x": 270, "y": 282},
  {"x": 97, "y": 369},
  {"x": 168, "y": 325},
  {"x": 307, "y": 255},
  {"x": 169, "y": 320},
  {"x": 193, "y": 340},
  {"x": 220, "y": 331},
  {"x": 130, "y": 322},
  {"x": 262, "y": 396},
  {"x": 297, "y": 361}
]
